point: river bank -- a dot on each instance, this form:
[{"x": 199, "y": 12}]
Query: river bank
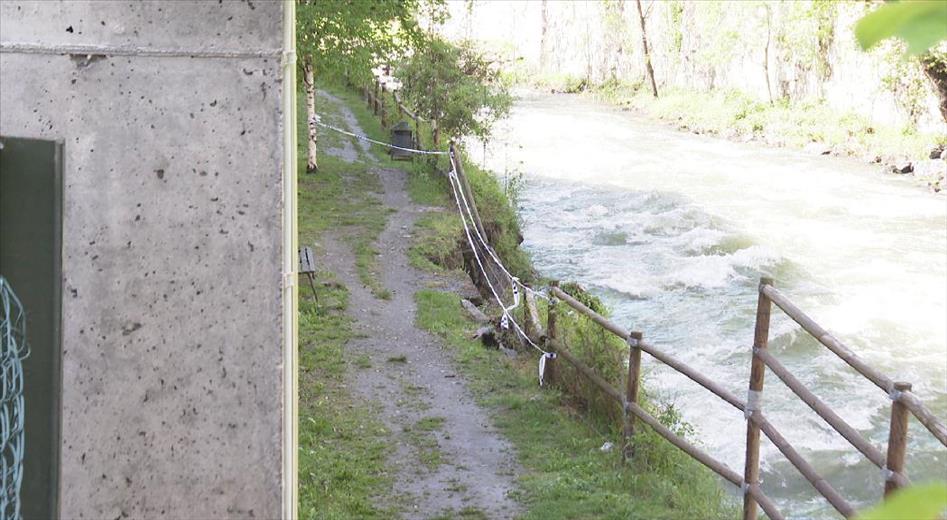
[
  {"x": 673, "y": 230},
  {"x": 812, "y": 127}
]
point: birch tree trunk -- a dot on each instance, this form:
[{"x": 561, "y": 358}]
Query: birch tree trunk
[
  {"x": 312, "y": 165},
  {"x": 647, "y": 54}
]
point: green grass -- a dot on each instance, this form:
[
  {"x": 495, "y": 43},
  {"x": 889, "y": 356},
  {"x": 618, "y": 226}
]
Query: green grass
[
  {"x": 343, "y": 197},
  {"x": 567, "y": 476},
  {"x": 342, "y": 445},
  {"x": 436, "y": 245},
  {"x": 557, "y": 434},
  {"x": 733, "y": 114}
]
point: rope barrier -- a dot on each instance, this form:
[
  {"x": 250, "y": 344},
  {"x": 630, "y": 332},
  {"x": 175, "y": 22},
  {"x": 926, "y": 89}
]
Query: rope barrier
[
  {"x": 483, "y": 241},
  {"x": 381, "y": 143},
  {"x": 507, "y": 318}
]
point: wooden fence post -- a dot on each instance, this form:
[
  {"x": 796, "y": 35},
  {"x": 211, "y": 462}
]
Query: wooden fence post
[
  {"x": 751, "y": 472},
  {"x": 384, "y": 111},
  {"x": 552, "y": 332},
  {"x": 375, "y": 105},
  {"x": 631, "y": 392},
  {"x": 897, "y": 438}
]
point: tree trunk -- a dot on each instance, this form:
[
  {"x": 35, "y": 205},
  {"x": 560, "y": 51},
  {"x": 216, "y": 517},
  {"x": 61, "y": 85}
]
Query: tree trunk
[
  {"x": 542, "y": 39},
  {"x": 769, "y": 90},
  {"x": 437, "y": 132},
  {"x": 312, "y": 164},
  {"x": 647, "y": 55},
  {"x": 935, "y": 67}
]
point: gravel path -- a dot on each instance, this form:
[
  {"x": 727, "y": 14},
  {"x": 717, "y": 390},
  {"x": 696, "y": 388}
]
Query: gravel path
[{"x": 448, "y": 458}]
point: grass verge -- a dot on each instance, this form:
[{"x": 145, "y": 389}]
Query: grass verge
[
  {"x": 567, "y": 475},
  {"x": 342, "y": 446}
]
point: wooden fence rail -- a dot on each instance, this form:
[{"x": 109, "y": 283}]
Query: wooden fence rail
[{"x": 903, "y": 401}]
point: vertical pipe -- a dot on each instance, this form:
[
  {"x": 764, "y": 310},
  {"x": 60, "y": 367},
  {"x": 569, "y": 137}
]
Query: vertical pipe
[
  {"x": 290, "y": 437},
  {"x": 631, "y": 391},
  {"x": 751, "y": 472},
  {"x": 897, "y": 438}
]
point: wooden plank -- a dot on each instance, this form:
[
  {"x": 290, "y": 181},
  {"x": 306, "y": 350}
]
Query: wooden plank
[
  {"x": 716, "y": 466},
  {"x": 924, "y": 416},
  {"x": 684, "y": 369},
  {"x": 307, "y": 261},
  {"x": 468, "y": 192},
  {"x": 818, "y": 482},
  {"x": 584, "y": 369},
  {"x": 694, "y": 376},
  {"x": 827, "y": 339},
  {"x": 751, "y": 470},
  {"x": 826, "y": 413},
  {"x": 532, "y": 318},
  {"x": 897, "y": 441},
  {"x": 594, "y": 316}
]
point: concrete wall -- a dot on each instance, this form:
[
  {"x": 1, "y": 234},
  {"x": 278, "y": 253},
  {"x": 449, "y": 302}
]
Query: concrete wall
[{"x": 171, "y": 246}]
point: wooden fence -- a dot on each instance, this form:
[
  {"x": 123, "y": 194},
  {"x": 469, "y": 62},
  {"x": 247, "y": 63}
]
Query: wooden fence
[{"x": 903, "y": 400}]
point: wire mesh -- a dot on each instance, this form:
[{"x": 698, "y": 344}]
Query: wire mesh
[{"x": 13, "y": 350}]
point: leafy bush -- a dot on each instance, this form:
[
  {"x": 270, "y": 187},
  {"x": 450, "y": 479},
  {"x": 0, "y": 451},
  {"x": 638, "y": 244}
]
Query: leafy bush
[{"x": 455, "y": 86}]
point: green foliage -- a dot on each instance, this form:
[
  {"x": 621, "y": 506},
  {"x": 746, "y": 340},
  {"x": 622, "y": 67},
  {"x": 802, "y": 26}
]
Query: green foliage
[
  {"x": 806, "y": 33},
  {"x": 920, "y": 23},
  {"x": 456, "y": 86},
  {"x": 920, "y": 502},
  {"x": 732, "y": 114},
  {"x": 348, "y": 38}
]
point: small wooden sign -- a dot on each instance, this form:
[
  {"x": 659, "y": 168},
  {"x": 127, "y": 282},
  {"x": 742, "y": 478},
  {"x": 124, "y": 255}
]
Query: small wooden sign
[{"x": 307, "y": 261}]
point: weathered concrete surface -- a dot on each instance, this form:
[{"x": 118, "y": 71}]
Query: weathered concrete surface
[{"x": 171, "y": 250}]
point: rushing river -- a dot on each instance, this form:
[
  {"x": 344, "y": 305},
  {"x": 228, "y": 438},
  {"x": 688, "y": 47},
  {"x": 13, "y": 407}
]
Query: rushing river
[{"x": 674, "y": 230}]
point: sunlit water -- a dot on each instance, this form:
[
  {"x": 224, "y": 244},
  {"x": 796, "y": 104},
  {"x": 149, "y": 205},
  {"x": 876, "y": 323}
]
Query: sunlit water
[{"x": 673, "y": 231}]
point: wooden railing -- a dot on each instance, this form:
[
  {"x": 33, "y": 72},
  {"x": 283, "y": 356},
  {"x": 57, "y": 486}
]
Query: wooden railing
[{"x": 903, "y": 401}]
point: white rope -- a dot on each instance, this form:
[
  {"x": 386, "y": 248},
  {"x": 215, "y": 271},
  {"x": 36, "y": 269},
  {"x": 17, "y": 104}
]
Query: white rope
[
  {"x": 483, "y": 240},
  {"x": 452, "y": 176},
  {"x": 370, "y": 140}
]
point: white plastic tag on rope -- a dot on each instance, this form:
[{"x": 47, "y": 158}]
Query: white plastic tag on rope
[
  {"x": 542, "y": 366},
  {"x": 505, "y": 320}
]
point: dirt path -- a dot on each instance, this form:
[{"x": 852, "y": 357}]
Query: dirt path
[{"x": 448, "y": 458}]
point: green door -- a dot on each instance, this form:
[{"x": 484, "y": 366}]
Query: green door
[{"x": 30, "y": 256}]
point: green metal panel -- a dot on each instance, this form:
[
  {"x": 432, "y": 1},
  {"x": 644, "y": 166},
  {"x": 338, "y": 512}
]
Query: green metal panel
[{"x": 30, "y": 258}]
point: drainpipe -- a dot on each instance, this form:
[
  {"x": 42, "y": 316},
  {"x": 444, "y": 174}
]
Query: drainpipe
[{"x": 289, "y": 286}]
